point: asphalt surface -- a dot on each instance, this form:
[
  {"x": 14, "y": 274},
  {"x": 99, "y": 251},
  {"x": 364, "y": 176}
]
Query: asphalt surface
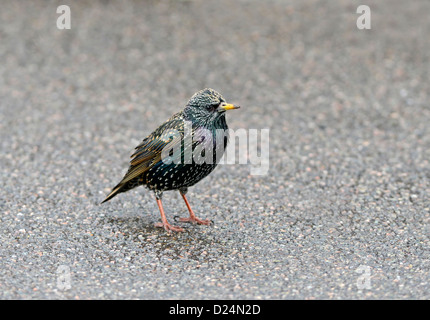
[{"x": 343, "y": 212}]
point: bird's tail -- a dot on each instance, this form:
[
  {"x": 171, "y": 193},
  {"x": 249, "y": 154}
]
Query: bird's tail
[{"x": 114, "y": 192}]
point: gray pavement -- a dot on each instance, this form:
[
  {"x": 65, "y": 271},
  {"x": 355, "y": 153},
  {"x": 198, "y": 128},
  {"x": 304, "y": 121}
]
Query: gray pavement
[{"x": 343, "y": 212}]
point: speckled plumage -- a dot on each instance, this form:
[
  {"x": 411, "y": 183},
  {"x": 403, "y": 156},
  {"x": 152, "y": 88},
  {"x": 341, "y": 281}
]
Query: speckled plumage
[{"x": 180, "y": 152}]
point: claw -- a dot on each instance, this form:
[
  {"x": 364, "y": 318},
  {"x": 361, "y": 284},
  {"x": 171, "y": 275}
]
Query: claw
[
  {"x": 195, "y": 220},
  {"x": 168, "y": 227}
]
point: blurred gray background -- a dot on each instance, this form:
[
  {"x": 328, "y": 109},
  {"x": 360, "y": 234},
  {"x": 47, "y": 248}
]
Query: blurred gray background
[{"x": 348, "y": 187}]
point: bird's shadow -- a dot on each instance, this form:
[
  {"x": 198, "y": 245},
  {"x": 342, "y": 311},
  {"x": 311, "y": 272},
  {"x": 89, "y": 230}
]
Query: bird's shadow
[{"x": 194, "y": 243}]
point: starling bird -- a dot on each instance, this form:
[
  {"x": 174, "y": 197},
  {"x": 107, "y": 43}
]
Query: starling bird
[{"x": 180, "y": 152}]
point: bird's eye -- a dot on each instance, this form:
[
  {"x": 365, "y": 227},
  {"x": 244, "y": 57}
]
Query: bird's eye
[{"x": 214, "y": 106}]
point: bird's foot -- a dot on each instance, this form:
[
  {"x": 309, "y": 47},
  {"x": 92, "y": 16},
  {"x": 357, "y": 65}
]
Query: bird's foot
[
  {"x": 168, "y": 227},
  {"x": 195, "y": 220}
]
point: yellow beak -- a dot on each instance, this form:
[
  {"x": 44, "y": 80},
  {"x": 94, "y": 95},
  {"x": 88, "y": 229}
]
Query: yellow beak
[{"x": 228, "y": 106}]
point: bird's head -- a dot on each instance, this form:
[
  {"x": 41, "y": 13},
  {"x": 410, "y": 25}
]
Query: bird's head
[{"x": 207, "y": 105}]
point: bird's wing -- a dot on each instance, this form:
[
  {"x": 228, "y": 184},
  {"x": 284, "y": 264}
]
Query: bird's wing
[{"x": 149, "y": 151}]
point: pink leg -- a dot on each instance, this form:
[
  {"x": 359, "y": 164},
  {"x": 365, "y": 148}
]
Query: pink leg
[
  {"x": 164, "y": 224},
  {"x": 192, "y": 218}
]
